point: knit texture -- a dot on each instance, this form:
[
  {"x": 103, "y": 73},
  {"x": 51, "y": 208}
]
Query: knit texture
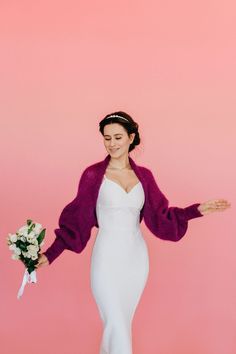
[{"x": 79, "y": 216}]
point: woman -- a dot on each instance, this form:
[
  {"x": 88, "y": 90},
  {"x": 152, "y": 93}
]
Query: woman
[{"x": 114, "y": 195}]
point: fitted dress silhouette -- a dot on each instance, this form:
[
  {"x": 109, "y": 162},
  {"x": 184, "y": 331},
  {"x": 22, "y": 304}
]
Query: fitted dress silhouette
[{"x": 119, "y": 263}]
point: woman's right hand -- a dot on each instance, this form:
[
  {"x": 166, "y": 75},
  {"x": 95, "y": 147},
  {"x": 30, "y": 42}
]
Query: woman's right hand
[{"x": 42, "y": 261}]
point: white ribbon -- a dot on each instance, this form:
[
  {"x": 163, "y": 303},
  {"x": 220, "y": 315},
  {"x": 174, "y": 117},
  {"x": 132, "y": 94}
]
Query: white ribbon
[{"x": 27, "y": 278}]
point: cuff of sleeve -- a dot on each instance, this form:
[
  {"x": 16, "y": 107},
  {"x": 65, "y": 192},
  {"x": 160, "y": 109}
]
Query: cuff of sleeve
[
  {"x": 192, "y": 211},
  {"x": 56, "y": 248}
]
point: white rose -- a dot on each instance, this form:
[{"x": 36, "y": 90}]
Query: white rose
[
  {"x": 13, "y": 237},
  {"x": 31, "y": 253},
  {"x": 23, "y": 238},
  {"x": 23, "y": 230},
  {"x": 15, "y": 256},
  {"x": 17, "y": 251},
  {"x": 24, "y": 233},
  {"x": 24, "y": 253},
  {"x": 34, "y": 256},
  {"x": 33, "y": 250},
  {"x": 34, "y": 241},
  {"x": 12, "y": 247},
  {"x": 37, "y": 228},
  {"x": 31, "y": 241},
  {"x": 31, "y": 236}
]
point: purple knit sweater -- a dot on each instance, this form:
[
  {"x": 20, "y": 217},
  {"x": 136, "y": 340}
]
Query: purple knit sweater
[{"x": 79, "y": 216}]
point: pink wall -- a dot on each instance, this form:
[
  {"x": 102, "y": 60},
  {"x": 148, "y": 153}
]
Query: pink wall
[{"x": 169, "y": 64}]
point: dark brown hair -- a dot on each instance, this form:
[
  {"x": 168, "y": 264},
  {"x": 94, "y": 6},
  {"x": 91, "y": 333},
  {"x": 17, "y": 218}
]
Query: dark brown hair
[{"x": 130, "y": 126}]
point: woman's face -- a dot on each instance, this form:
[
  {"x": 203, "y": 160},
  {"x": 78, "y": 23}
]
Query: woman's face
[{"x": 116, "y": 139}]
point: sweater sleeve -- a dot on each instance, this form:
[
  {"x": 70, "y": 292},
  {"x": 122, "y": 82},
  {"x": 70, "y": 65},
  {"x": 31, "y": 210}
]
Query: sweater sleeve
[
  {"x": 164, "y": 221},
  {"x": 68, "y": 233}
]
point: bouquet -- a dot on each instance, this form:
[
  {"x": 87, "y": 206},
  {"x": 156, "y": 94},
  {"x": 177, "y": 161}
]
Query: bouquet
[{"x": 26, "y": 245}]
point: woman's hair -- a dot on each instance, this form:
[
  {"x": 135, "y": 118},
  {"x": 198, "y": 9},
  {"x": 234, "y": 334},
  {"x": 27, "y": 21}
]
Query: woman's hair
[{"x": 128, "y": 123}]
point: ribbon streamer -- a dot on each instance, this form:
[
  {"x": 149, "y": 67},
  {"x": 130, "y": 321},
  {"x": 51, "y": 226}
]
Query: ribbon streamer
[{"x": 27, "y": 278}]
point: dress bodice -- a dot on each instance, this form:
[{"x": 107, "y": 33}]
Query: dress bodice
[{"x": 117, "y": 208}]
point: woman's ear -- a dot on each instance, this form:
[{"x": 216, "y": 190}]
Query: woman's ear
[{"x": 132, "y": 135}]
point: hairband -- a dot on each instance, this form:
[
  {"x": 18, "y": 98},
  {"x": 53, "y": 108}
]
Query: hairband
[{"x": 115, "y": 115}]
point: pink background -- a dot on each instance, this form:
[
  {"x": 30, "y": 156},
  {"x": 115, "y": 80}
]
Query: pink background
[{"x": 171, "y": 65}]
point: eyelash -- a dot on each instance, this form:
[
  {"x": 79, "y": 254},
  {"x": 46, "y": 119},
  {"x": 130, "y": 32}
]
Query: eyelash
[{"x": 116, "y": 139}]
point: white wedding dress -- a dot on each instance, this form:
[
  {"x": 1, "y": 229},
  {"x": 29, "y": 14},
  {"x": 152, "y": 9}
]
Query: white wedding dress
[{"x": 119, "y": 263}]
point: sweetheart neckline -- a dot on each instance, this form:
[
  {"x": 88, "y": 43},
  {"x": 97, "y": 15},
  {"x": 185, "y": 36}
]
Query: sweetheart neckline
[{"x": 122, "y": 187}]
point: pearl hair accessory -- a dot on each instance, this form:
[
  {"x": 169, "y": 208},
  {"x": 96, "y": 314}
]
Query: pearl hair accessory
[{"x": 116, "y": 115}]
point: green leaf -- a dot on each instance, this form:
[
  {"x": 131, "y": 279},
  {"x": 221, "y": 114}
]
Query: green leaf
[
  {"x": 30, "y": 269},
  {"x": 26, "y": 261},
  {"x": 23, "y": 247},
  {"x": 31, "y": 228},
  {"x": 29, "y": 222},
  {"x": 30, "y": 262},
  {"x": 41, "y": 236},
  {"x": 18, "y": 242}
]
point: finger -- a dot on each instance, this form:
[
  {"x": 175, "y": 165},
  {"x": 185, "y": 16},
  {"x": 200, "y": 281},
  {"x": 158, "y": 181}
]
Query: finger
[
  {"x": 39, "y": 263},
  {"x": 222, "y": 205},
  {"x": 218, "y": 204},
  {"x": 222, "y": 202}
]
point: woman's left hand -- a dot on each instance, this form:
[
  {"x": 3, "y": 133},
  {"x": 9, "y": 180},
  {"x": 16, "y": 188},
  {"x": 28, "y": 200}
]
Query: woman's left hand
[{"x": 213, "y": 205}]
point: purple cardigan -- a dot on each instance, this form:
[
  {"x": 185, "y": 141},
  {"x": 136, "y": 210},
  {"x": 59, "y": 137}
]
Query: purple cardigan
[{"x": 79, "y": 216}]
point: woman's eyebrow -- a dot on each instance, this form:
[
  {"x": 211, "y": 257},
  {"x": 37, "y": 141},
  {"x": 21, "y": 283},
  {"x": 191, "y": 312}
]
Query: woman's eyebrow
[{"x": 114, "y": 134}]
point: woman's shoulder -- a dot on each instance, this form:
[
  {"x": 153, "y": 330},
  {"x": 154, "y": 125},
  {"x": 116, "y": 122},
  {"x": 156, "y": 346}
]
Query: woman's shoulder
[
  {"x": 144, "y": 169},
  {"x": 147, "y": 173},
  {"x": 92, "y": 169}
]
